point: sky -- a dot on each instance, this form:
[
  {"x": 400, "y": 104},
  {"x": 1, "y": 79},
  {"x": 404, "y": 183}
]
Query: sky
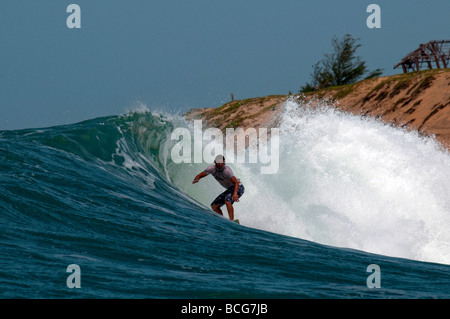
[{"x": 176, "y": 55}]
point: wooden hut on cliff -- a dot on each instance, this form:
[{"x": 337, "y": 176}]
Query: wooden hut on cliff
[{"x": 433, "y": 52}]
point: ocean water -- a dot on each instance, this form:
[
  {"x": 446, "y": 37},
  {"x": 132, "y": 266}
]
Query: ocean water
[{"x": 106, "y": 196}]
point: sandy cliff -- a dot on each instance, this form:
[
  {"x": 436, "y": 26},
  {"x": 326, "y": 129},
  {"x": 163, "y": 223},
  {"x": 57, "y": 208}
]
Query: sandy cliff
[
  {"x": 254, "y": 112},
  {"x": 418, "y": 101}
]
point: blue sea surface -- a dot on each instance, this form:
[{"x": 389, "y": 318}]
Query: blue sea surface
[{"x": 102, "y": 195}]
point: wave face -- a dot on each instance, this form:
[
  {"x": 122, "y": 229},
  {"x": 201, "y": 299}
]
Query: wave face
[{"x": 105, "y": 195}]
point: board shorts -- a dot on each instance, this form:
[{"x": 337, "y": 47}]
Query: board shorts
[{"x": 227, "y": 196}]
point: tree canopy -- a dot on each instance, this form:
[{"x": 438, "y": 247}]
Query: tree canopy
[{"x": 340, "y": 67}]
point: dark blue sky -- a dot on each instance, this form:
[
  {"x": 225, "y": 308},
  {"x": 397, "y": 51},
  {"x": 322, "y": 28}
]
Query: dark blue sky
[{"x": 177, "y": 55}]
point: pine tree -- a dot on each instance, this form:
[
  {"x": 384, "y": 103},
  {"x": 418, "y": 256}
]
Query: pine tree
[{"x": 340, "y": 67}]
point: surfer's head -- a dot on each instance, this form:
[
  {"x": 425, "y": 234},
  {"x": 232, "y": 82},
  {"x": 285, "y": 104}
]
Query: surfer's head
[{"x": 219, "y": 161}]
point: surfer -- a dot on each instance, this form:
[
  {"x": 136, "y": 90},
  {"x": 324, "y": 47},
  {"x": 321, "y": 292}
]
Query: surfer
[{"x": 225, "y": 176}]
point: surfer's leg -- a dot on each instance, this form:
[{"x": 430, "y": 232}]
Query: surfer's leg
[
  {"x": 218, "y": 202},
  {"x": 230, "y": 209},
  {"x": 229, "y": 199},
  {"x": 217, "y": 209}
]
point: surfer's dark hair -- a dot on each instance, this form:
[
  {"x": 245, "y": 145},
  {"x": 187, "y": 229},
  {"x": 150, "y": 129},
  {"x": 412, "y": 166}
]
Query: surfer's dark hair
[{"x": 220, "y": 158}]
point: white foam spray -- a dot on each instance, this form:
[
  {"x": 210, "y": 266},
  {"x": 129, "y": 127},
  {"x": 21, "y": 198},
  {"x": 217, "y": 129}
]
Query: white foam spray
[{"x": 346, "y": 181}]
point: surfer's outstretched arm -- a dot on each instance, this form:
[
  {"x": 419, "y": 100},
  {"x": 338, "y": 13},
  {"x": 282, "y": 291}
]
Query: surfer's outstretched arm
[{"x": 198, "y": 177}]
